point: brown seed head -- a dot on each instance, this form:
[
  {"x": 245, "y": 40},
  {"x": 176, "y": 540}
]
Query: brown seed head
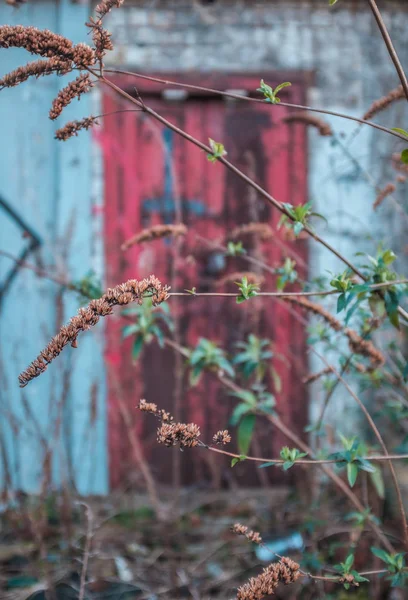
[
  {"x": 259, "y": 230},
  {"x": 383, "y": 103},
  {"x": 154, "y": 233},
  {"x": 72, "y": 128},
  {"x": 222, "y": 438},
  {"x": 75, "y": 89},
  {"x": 37, "y": 68},
  {"x": 106, "y": 6},
  {"x": 265, "y": 584},
  {"x": 184, "y": 435},
  {"x": 382, "y": 194},
  {"x": 121, "y": 295},
  {"x": 309, "y": 119},
  {"x": 252, "y": 536}
]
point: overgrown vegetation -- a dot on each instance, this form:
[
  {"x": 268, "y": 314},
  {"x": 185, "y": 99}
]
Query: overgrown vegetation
[{"x": 369, "y": 296}]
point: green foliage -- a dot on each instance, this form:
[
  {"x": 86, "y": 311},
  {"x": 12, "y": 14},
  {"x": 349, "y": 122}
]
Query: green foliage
[
  {"x": 235, "y": 249},
  {"x": 148, "y": 326},
  {"x": 218, "y": 151},
  {"x": 270, "y": 93},
  {"x": 352, "y": 459},
  {"x": 89, "y": 287},
  {"x": 404, "y": 156},
  {"x": 289, "y": 455},
  {"x": 332, "y": 2},
  {"x": 345, "y": 568},
  {"x": 287, "y": 274},
  {"x": 360, "y": 519},
  {"x": 207, "y": 355},
  {"x": 252, "y": 359},
  {"x": 395, "y": 564},
  {"x": 247, "y": 290},
  {"x": 245, "y": 432},
  {"x": 401, "y": 131},
  {"x": 238, "y": 459},
  {"x": 252, "y": 401},
  {"x": 297, "y": 217}
]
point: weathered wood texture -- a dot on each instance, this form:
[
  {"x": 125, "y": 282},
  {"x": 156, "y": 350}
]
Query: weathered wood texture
[
  {"x": 150, "y": 170},
  {"x": 49, "y": 184}
]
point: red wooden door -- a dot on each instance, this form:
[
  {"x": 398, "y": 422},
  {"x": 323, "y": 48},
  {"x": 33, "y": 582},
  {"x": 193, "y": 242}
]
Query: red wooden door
[{"x": 154, "y": 176}]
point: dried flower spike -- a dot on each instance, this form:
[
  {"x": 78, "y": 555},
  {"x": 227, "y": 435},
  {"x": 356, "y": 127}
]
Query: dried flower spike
[
  {"x": 308, "y": 119},
  {"x": 259, "y": 230},
  {"x": 123, "y": 294},
  {"x": 221, "y": 438},
  {"x": 154, "y": 410},
  {"x": 252, "y": 536},
  {"x": 75, "y": 89},
  {"x": 286, "y": 571},
  {"x": 72, "y": 128},
  {"x": 37, "y": 68},
  {"x": 154, "y": 233},
  {"x": 382, "y": 194},
  {"x": 173, "y": 434},
  {"x": 383, "y": 103},
  {"x": 106, "y": 6}
]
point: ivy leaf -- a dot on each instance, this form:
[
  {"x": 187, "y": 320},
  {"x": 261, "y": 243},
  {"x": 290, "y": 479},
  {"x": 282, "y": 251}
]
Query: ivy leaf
[{"x": 245, "y": 431}]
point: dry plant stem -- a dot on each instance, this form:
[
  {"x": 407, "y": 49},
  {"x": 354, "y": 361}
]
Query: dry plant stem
[
  {"x": 303, "y": 461},
  {"x": 380, "y": 440},
  {"x": 260, "y": 100},
  {"x": 87, "y": 549},
  {"x": 390, "y": 46},
  {"x": 240, "y": 174},
  {"x": 138, "y": 452}
]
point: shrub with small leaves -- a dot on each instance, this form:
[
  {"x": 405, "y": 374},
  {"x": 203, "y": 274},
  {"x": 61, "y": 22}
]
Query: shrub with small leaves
[
  {"x": 287, "y": 274},
  {"x": 149, "y": 321},
  {"x": 348, "y": 576},
  {"x": 395, "y": 564},
  {"x": 352, "y": 459},
  {"x": 297, "y": 217},
  {"x": 207, "y": 355},
  {"x": 218, "y": 151},
  {"x": 247, "y": 290},
  {"x": 270, "y": 93}
]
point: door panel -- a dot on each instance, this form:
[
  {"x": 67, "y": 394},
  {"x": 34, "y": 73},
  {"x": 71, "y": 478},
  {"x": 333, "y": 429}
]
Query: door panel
[{"x": 155, "y": 176}]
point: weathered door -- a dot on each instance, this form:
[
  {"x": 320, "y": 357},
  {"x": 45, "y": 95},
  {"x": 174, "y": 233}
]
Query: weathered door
[{"x": 153, "y": 176}]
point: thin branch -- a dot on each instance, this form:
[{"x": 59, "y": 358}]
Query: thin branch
[
  {"x": 390, "y": 46},
  {"x": 260, "y": 100}
]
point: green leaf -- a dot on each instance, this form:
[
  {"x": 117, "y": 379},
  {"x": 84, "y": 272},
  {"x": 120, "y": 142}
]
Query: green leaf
[
  {"x": 298, "y": 227},
  {"x": 341, "y": 302},
  {"x": 237, "y": 460},
  {"x": 378, "y": 482},
  {"x": 348, "y": 563},
  {"x": 404, "y": 156},
  {"x": 399, "y": 130},
  {"x": 239, "y": 411},
  {"x": 137, "y": 347},
  {"x": 287, "y": 465},
  {"x": 332, "y": 2},
  {"x": 381, "y": 554},
  {"x": 267, "y": 464},
  {"x": 245, "y": 431},
  {"x": 281, "y": 86},
  {"x": 352, "y": 472}
]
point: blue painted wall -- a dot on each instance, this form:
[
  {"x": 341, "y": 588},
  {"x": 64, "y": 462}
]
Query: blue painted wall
[{"x": 49, "y": 184}]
